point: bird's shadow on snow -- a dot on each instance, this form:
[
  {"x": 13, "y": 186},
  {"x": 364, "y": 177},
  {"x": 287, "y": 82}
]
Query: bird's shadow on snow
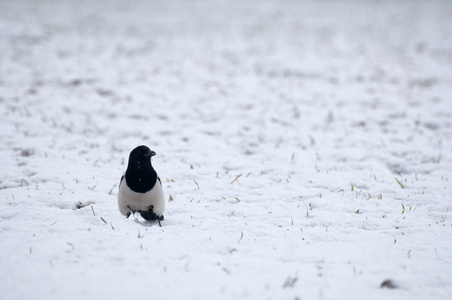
[{"x": 146, "y": 223}]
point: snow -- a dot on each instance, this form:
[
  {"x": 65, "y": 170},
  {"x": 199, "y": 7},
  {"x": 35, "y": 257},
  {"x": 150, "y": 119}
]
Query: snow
[{"x": 322, "y": 107}]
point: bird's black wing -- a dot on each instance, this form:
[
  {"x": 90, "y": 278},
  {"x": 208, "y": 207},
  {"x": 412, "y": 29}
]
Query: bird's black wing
[
  {"x": 159, "y": 180},
  {"x": 122, "y": 178}
]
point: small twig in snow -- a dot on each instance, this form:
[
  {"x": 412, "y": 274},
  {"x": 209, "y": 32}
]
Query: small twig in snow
[{"x": 236, "y": 178}]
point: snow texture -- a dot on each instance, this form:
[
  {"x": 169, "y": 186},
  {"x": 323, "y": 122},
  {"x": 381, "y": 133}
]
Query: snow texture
[{"x": 305, "y": 149}]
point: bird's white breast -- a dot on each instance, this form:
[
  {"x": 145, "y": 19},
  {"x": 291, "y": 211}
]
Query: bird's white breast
[{"x": 141, "y": 201}]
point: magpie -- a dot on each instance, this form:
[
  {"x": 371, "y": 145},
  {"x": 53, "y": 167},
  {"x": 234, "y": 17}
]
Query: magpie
[{"x": 140, "y": 189}]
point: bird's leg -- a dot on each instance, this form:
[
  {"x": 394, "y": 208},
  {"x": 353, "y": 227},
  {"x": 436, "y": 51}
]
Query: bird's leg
[
  {"x": 130, "y": 212},
  {"x": 160, "y": 218}
]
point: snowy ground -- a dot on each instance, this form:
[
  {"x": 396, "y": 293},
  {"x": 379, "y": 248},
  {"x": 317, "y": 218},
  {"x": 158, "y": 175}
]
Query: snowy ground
[{"x": 337, "y": 115}]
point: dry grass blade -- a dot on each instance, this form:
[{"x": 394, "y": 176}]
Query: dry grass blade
[
  {"x": 401, "y": 185},
  {"x": 236, "y": 178}
]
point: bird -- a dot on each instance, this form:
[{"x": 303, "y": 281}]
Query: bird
[{"x": 140, "y": 188}]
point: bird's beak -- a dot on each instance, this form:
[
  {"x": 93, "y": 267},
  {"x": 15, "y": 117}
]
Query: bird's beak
[{"x": 150, "y": 153}]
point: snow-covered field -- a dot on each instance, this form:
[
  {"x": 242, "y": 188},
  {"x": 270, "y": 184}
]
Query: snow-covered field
[{"x": 334, "y": 118}]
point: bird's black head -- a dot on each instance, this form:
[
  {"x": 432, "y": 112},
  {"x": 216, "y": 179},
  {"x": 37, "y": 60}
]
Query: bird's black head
[{"x": 141, "y": 155}]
